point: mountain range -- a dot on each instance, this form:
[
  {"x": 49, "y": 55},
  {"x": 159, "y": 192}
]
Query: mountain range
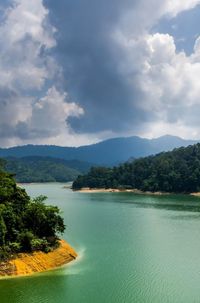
[{"x": 109, "y": 152}]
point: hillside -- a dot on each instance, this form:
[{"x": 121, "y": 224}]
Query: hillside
[
  {"x": 45, "y": 169},
  {"x": 110, "y": 152},
  {"x": 26, "y": 225},
  {"x": 177, "y": 171}
]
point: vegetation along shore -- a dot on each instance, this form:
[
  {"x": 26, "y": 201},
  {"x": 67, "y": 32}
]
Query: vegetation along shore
[
  {"x": 117, "y": 190},
  {"x": 29, "y": 232},
  {"x": 177, "y": 171}
]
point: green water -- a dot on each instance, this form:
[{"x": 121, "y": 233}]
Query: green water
[{"x": 131, "y": 248}]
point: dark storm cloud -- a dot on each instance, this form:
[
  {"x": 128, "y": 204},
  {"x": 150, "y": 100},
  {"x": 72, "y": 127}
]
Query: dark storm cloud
[
  {"x": 90, "y": 59},
  {"x": 84, "y": 69}
]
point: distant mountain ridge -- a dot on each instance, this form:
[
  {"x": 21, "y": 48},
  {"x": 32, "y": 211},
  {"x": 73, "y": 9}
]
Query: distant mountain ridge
[{"x": 108, "y": 152}]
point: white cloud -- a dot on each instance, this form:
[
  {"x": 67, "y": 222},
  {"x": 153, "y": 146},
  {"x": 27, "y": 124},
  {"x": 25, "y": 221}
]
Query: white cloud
[
  {"x": 32, "y": 107},
  {"x": 174, "y": 7},
  {"x": 177, "y": 129},
  {"x": 145, "y": 14},
  {"x": 27, "y": 69},
  {"x": 26, "y": 18},
  {"x": 24, "y": 34},
  {"x": 49, "y": 114},
  {"x": 168, "y": 81}
]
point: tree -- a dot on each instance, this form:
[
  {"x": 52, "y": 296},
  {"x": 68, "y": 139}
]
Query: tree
[
  {"x": 177, "y": 171},
  {"x": 26, "y": 224}
]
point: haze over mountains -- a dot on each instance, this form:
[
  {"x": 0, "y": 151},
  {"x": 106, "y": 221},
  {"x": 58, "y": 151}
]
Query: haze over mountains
[{"x": 108, "y": 152}]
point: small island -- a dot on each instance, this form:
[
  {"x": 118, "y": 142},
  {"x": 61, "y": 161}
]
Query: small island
[{"x": 29, "y": 230}]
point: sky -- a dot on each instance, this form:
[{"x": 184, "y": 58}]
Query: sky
[{"x": 77, "y": 72}]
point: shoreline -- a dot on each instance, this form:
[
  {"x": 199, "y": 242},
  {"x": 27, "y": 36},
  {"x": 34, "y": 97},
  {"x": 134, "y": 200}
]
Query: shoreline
[
  {"x": 37, "y": 262},
  {"x": 197, "y": 194},
  {"x": 116, "y": 190},
  {"x": 45, "y": 182},
  {"x": 135, "y": 191}
]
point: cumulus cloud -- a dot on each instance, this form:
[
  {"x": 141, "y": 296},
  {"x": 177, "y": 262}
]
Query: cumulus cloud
[
  {"x": 23, "y": 37},
  {"x": 31, "y": 106},
  {"x": 124, "y": 78},
  {"x": 177, "y": 6},
  {"x": 168, "y": 81},
  {"x": 48, "y": 116}
]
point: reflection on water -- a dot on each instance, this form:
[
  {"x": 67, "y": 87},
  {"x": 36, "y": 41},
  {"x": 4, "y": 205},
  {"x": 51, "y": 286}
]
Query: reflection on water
[
  {"x": 168, "y": 206},
  {"x": 132, "y": 249},
  {"x": 168, "y": 202},
  {"x": 184, "y": 217}
]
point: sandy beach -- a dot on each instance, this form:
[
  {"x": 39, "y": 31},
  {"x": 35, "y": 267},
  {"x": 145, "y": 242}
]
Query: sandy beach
[
  {"x": 116, "y": 190},
  {"x": 195, "y": 194}
]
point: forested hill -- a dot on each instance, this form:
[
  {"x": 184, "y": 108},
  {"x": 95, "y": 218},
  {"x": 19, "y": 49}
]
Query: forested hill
[
  {"x": 109, "y": 152},
  {"x": 177, "y": 171},
  {"x": 25, "y": 225},
  {"x": 45, "y": 169}
]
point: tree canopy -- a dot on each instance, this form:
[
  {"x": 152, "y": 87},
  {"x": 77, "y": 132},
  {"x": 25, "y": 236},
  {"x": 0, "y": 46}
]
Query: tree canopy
[
  {"x": 44, "y": 169},
  {"x": 25, "y": 224},
  {"x": 177, "y": 171}
]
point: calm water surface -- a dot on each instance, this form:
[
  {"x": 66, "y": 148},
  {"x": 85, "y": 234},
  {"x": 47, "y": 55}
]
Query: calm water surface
[{"x": 132, "y": 249}]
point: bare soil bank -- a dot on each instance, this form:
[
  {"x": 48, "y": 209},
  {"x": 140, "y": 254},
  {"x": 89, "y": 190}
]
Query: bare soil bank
[{"x": 30, "y": 263}]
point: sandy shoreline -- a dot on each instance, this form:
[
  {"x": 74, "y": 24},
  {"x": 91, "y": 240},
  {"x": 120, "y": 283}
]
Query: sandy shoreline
[
  {"x": 195, "y": 194},
  {"x": 116, "y": 190},
  {"x": 135, "y": 191},
  {"x": 36, "y": 262}
]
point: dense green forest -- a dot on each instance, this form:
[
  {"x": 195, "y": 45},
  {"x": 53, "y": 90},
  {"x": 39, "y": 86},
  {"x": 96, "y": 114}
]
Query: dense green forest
[
  {"x": 45, "y": 169},
  {"x": 177, "y": 171},
  {"x": 25, "y": 225}
]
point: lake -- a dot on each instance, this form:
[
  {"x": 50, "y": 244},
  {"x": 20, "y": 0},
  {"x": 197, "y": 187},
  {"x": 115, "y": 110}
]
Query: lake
[{"x": 132, "y": 249}]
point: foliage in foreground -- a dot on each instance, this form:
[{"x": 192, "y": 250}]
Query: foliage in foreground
[
  {"x": 177, "y": 171},
  {"x": 25, "y": 225}
]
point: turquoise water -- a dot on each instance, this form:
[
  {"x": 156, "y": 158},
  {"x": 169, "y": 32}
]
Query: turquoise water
[{"x": 132, "y": 248}]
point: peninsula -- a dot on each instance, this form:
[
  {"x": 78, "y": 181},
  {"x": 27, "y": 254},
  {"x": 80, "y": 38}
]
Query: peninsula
[
  {"x": 29, "y": 232},
  {"x": 38, "y": 261}
]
